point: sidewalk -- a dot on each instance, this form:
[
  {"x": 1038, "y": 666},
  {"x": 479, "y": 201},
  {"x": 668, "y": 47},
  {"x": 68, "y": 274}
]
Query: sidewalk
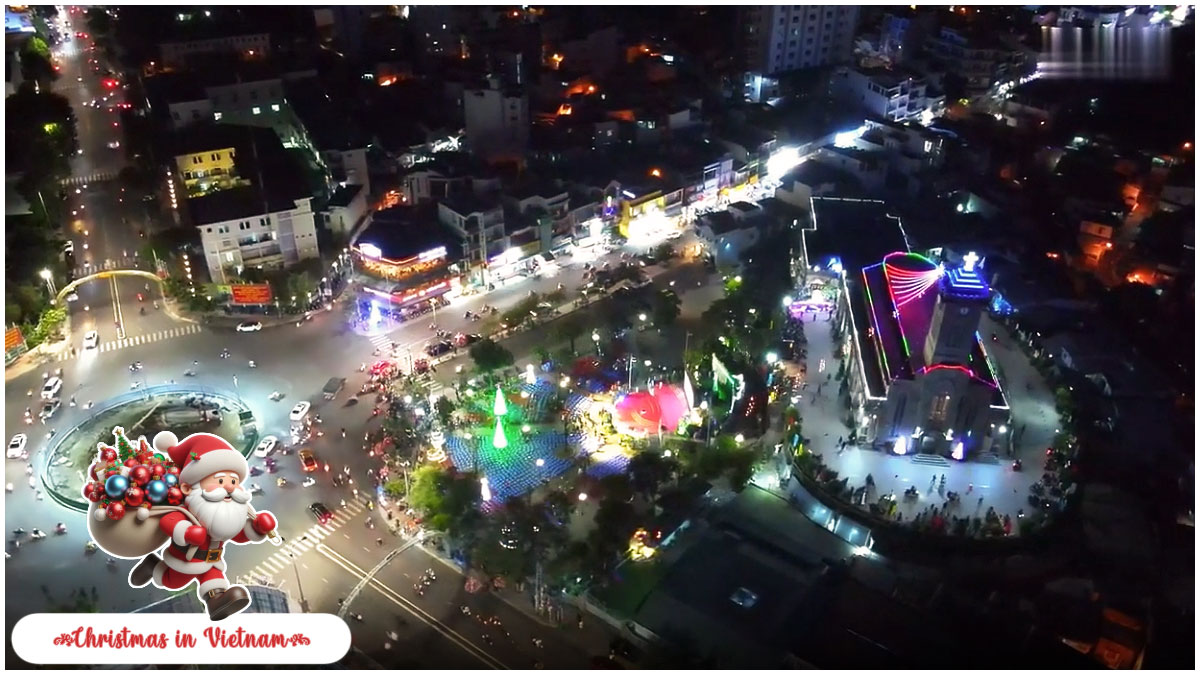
[{"x": 39, "y": 356}]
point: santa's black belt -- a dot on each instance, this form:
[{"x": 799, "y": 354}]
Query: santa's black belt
[{"x": 202, "y": 555}]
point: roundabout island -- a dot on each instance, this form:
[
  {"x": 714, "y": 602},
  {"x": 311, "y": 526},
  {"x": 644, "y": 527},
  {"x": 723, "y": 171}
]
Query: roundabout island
[{"x": 184, "y": 410}]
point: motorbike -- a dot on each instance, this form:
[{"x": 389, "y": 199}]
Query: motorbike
[
  {"x": 37, "y": 534},
  {"x": 1016, "y": 465},
  {"x": 253, "y": 364},
  {"x": 61, "y": 528},
  {"x": 8, "y": 487},
  {"x": 18, "y": 532},
  {"x": 254, "y": 488},
  {"x": 255, "y": 471},
  {"x": 90, "y": 547},
  {"x": 281, "y": 481},
  {"x": 142, "y": 310},
  {"x": 189, "y": 373},
  {"x": 309, "y": 482}
]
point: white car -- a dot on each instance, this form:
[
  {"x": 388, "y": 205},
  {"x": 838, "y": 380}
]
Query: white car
[
  {"x": 16, "y": 447},
  {"x": 49, "y": 408},
  {"x": 300, "y": 411},
  {"x": 249, "y": 326},
  {"x": 113, "y": 145},
  {"x": 266, "y": 446},
  {"x": 91, "y": 340}
]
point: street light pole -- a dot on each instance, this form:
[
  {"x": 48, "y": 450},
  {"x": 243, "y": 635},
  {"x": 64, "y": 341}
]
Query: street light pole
[{"x": 303, "y": 601}]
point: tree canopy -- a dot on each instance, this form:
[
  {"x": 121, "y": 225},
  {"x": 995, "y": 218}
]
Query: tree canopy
[{"x": 489, "y": 355}]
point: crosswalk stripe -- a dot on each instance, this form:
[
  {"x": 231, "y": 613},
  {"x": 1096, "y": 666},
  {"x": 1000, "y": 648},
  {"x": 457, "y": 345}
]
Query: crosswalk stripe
[
  {"x": 145, "y": 338},
  {"x": 269, "y": 566}
]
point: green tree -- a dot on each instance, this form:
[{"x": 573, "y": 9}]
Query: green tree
[
  {"x": 489, "y": 356},
  {"x": 648, "y": 471},
  {"x": 37, "y": 64},
  {"x": 98, "y": 21},
  {"x": 569, "y": 328},
  {"x": 665, "y": 307},
  {"x": 395, "y": 488},
  {"x": 445, "y": 411}
]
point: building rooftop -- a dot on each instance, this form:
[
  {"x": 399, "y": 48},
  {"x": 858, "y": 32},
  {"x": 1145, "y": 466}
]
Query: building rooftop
[
  {"x": 277, "y": 182},
  {"x": 466, "y": 203},
  {"x": 403, "y": 232},
  {"x": 263, "y": 600},
  {"x": 858, "y": 232},
  {"x": 344, "y": 195}
]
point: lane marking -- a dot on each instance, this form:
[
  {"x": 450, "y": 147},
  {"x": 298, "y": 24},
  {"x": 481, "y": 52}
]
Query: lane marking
[{"x": 418, "y": 613}]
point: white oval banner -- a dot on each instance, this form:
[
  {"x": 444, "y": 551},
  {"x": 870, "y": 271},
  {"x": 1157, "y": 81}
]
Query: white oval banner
[{"x": 128, "y": 639}]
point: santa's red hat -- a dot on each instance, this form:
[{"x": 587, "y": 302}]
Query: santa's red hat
[{"x": 201, "y": 455}]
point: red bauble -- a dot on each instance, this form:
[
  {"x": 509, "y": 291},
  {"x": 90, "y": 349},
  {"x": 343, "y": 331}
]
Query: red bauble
[
  {"x": 131, "y": 462},
  {"x": 173, "y": 469},
  {"x": 140, "y": 475},
  {"x": 115, "y": 511},
  {"x": 134, "y": 496},
  {"x": 144, "y": 457},
  {"x": 174, "y": 496},
  {"x": 87, "y": 492},
  {"x": 112, "y": 472},
  {"x": 108, "y": 454},
  {"x": 157, "y": 471}
]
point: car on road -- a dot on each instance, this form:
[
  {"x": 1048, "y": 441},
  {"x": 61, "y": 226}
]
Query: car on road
[
  {"x": 49, "y": 408},
  {"x": 266, "y": 446},
  {"x": 300, "y": 411},
  {"x": 51, "y": 388},
  {"x": 16, "y": 447},
  {"x": 463, "y": 340},
  {"x": 113, "y": 145},
  {"x": 322, "y": 512},
  {"x": 439, "y": 348},
  {"x": 308, "y": 461},
  {"x": 249, "y": 326},
  {"x": 72, "y": 296},
  {"x": 91, "y": 340}
]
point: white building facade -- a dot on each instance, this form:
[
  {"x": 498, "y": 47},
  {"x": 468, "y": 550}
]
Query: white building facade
[{"x": 274, "y": 239}]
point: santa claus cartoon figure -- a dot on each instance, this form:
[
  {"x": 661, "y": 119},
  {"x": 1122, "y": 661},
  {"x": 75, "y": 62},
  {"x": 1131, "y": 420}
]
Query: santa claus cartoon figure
[{"x": 211, "y": 474}]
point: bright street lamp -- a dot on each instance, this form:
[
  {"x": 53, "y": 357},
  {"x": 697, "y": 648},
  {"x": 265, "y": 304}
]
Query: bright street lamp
[
  {"x": 642, "y": 316},
  {"x": 772, "y": 358},
  {"x": 787, "y": 301}
]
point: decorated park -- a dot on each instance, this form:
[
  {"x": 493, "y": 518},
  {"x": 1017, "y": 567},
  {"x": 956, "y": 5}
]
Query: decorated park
[{"x": 523, "y": 433}]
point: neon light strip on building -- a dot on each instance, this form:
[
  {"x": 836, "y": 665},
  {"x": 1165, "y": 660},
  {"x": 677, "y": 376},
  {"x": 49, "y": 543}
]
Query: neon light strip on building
[{"x": 880, "y": 354}]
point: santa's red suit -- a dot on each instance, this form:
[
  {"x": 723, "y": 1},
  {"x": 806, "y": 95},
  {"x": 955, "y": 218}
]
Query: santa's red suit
[
  {"x": 207, "y": 565},
  {"x": 197, "y": 548}
]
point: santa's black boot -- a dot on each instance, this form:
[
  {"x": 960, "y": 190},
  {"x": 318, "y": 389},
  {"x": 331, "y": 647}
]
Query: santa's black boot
[
  {"x": 226, "y": 603},
  {"x": 143, "y": 573}
]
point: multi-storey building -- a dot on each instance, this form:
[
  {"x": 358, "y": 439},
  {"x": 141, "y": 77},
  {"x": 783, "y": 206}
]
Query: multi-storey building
[
  {"x": 175, "y": 54},
  {"x": 497, "y": 121},
  {"x": 981, "y": 60},
  {"x": 241, "y": 190},
  {"x": 892, "y": 95},
  {"x": 779, "y": 38}
]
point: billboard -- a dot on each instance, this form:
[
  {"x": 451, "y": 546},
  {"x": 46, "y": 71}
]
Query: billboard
[
  {"x": 250, "y": 294},
  {"x": 14, "y": 344}
]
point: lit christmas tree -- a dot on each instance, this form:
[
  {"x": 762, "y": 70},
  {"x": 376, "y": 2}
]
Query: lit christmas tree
[{"x": 500, "y": 408}]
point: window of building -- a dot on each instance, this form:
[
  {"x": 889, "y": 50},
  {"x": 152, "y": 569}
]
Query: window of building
[
  {"x": 256, "y": 110},
  {"x": 217, "y": 117},
  {"x": 940, "y": 408},
  {"x": 275, "y": 107}
]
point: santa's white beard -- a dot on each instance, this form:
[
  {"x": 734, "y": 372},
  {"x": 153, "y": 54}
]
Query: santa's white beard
[{"x": 224, "y": 520}]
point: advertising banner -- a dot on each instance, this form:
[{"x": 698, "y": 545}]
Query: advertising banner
[{"x": 250, "y": 294}]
